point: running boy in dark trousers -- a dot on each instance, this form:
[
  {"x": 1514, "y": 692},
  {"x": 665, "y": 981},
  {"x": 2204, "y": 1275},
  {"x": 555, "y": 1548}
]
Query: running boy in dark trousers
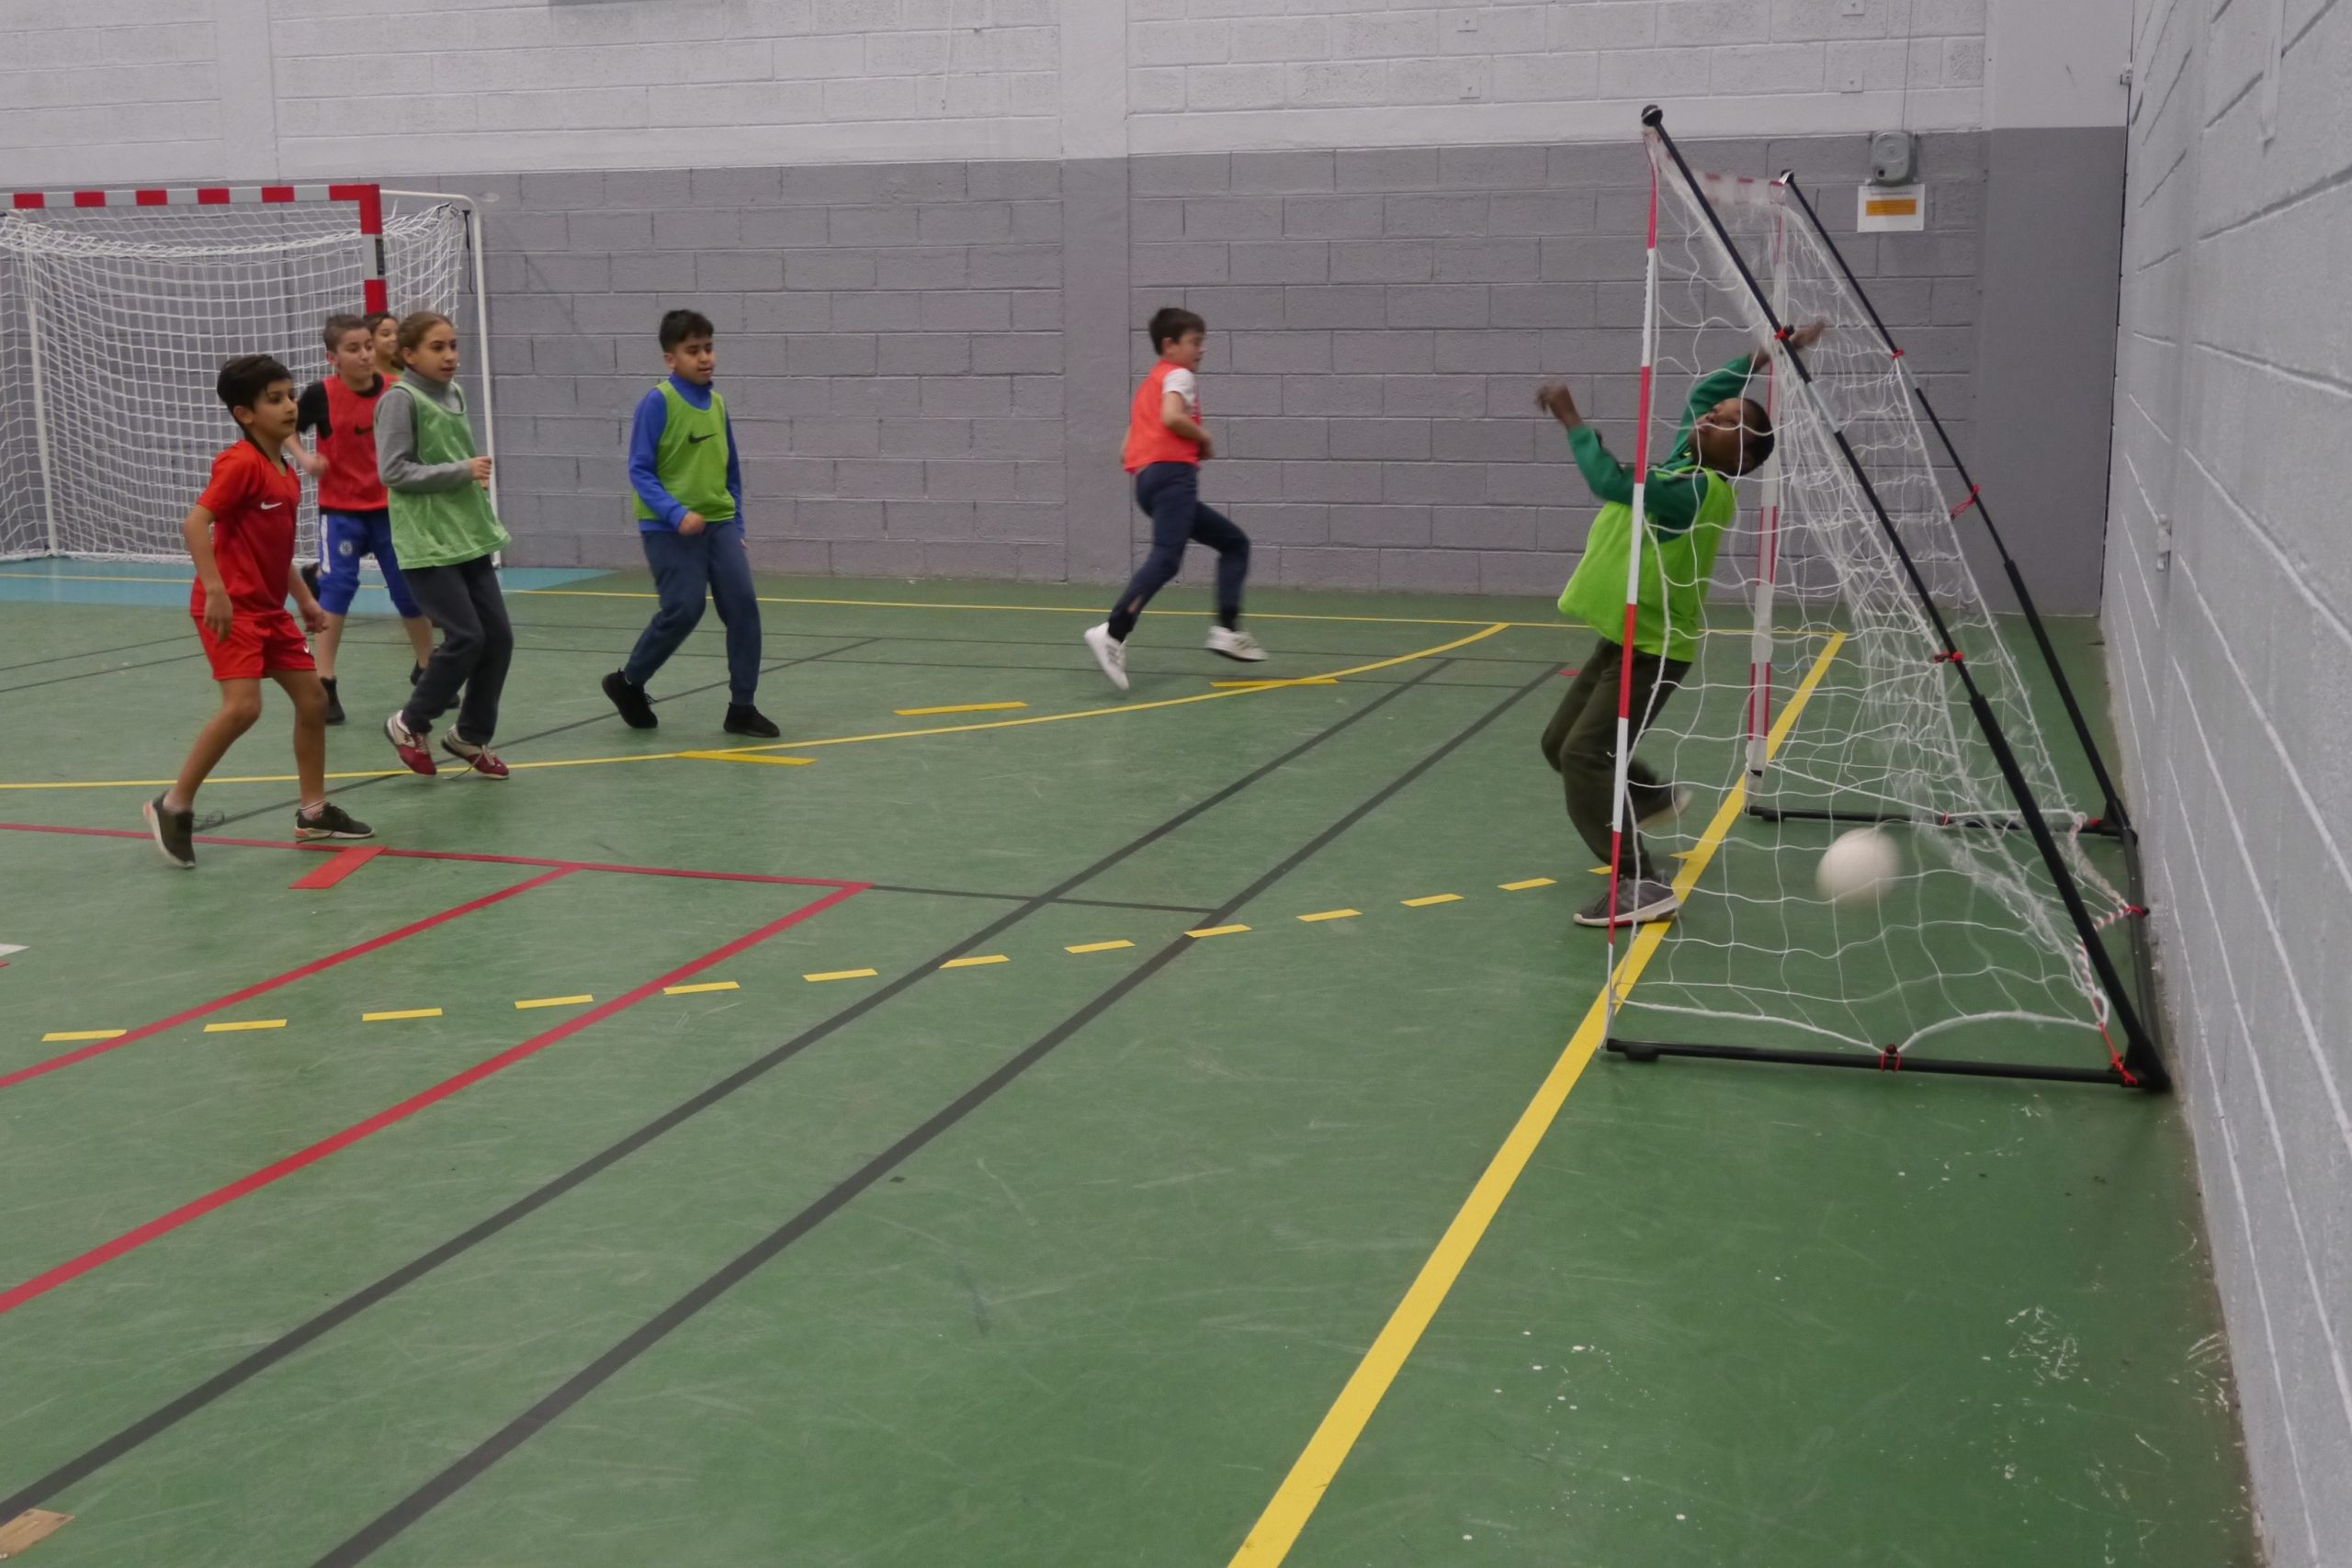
[
  {"x": 446, "y": 534},
  {"x": 1686, "y": 502},
  {"x": 689, "y": 484},
  {"x": 240, "y": 532},
  {"x": 1166, "y": 447},
  {"x": 354, "y": 515}
]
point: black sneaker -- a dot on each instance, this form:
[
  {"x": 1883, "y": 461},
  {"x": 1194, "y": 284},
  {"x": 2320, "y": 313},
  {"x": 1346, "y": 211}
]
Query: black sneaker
[
  {"x": 334, "y": 701},
  {"x": 742, "y": 719},
  {"x": 174, "y": 831},
  {"x": 630, "y": 697},
  {"x": 1639, "y": 900},
  {"x": 328, "y": 820}
]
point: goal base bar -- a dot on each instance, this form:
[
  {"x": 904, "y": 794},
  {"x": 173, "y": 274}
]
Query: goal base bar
[
  {"x": 1872, "y": 1061},
  {"x": 2099, "y": 829}
]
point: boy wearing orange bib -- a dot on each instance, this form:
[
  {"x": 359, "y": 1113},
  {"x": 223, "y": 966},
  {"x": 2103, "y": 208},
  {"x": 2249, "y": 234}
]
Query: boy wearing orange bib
[{"x": 1166, "y": 447}]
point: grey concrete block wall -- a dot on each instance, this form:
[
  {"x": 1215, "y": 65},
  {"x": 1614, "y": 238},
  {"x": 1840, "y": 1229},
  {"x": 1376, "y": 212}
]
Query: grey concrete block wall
[
  {"x": 2228, "y": 619},
  {"x": 930, "y": 365}
]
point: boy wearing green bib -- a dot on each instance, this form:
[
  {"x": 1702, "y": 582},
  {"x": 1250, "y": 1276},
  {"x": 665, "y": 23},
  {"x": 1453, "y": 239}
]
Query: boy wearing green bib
[
  {"x": 1686, "y": 503},
  {"x": 689, "y": 484},
  {"x": 445, "y": 534}
]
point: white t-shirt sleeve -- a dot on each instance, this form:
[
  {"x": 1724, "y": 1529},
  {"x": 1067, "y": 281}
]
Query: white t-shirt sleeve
[{"x": 1187, "y": 386}]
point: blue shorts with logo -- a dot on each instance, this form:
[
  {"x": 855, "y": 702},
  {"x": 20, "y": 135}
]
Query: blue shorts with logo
[{"x": 344, "y": 537}]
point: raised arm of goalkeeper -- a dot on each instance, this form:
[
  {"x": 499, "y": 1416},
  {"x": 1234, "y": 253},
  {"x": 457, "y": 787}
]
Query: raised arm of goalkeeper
[{"x": 1721, "y": 429}]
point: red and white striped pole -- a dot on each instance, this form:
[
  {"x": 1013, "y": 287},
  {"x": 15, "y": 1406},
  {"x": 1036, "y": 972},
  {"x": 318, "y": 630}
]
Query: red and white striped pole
[
  {"x": 1621, "y": 812},
  {"x": 368, "y": 199}
]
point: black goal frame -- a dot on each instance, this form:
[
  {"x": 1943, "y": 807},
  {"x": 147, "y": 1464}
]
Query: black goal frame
[{"x": 2138, "y": 1064}]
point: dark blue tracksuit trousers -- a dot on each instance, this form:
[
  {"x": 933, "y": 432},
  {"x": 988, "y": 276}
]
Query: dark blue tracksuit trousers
[
  {"x": 685, "y": 567},
  {"x": 1170, "y": 494}
]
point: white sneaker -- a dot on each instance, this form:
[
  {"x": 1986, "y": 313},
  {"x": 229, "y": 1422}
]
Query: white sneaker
[
  {"x": 1109, "y": 652},
  {"x": 1236, "y": 645}
]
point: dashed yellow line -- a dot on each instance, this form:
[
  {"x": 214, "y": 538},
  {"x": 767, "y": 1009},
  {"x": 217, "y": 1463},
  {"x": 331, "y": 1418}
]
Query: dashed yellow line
[
  {"x": 1523, "y": 887},
  {"x": 1432, "y": 899},
  {"x": 975, "y": 961},
  {"x": 958, "y": 707},
  {"x": 697, "y": 990},
  {"x": 1098, "y": 946},
  {"x": 61, "y": 1034},
  {"x": 239, "y": 1025},
  {"x": 398, "y": 1014},
  {"x": 1217, "y": 931},
  {"x": 555, "y": 1001},
  {"x": 1330, "y": 915},
  {"x": 843, "y": 975}
]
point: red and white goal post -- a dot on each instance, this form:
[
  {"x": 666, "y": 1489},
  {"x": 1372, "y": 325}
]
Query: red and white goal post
[{"x": 118, "y": 305}]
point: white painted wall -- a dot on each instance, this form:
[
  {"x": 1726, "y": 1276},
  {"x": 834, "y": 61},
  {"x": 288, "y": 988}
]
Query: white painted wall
[
  {"x": 2231, "y": 667},
  {"x": 111, "y": 90}
]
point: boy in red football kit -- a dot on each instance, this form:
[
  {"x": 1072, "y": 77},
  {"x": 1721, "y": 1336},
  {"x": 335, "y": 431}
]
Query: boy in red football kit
[
  {"x": 1166, "y": 447},
  {"x": 353, "y": 519},
  {"x": 240, "y": 534}
]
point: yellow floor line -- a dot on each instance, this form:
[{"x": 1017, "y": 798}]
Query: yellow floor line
[
  {"x": 975, "y": 962},
  {"x": 555, "y": 1001},
  {"x": 1098, "y": 946},
  {"x": 1432, "y": 899},
  {"x": 1294, "y": 1503},
  {"x": 729, "y": 757},
  {"x": 697, "y": 990},
  {"x": 56, "y": 1035},
  {"x": 1331, "y": 914},
  {"x": 1523, "y": 887},
  {"x": 1261, "y": 685},
  {"x": 239, "y": 1025},
  {"x": 404, "y": 1012},
  {"x": 843, "y": 975},
  {"x": 743, "y": 753},
  {"x": 1217, "y": 931},
  {"x": 959, "y": 708}
]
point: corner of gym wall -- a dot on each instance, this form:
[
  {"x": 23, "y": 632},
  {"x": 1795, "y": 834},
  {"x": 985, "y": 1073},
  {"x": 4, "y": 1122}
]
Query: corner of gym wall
[{"x": 2229, "y": 624}]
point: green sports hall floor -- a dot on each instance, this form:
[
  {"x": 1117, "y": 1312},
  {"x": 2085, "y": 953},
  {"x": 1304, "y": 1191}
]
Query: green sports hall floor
[{"x": 1068, "y": 1255}]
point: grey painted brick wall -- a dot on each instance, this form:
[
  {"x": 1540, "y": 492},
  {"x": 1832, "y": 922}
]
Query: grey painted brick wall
[
  {"x": 902, "y": 345},
  {"x": 2231, "y": 660}
]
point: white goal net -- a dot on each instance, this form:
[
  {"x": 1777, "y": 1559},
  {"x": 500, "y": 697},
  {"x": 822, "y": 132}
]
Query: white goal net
[
  {"x": 114, "y": 322},
  {"x": 1825, "y": 698}
]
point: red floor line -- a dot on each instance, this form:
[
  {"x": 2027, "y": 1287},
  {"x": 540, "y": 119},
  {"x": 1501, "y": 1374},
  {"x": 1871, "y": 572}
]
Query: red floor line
[
  {"x": 147, "y": 1031},
  {"x": 459, "y": 855},
  {"x": 343, "y": 864},
  {"x": 163, "y": 1225}
]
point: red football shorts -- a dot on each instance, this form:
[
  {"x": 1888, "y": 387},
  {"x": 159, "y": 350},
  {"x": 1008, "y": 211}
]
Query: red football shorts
[{"x": 256, "y": 645}]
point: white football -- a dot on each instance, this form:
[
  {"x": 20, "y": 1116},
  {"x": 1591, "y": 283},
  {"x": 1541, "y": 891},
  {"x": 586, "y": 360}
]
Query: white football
[{"x": 1858, "y": 867}]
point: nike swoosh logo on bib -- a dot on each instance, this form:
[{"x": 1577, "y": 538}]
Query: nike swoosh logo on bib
[
  {"x": 704, "y": 436},
  {"x": 271, "y": 505}
]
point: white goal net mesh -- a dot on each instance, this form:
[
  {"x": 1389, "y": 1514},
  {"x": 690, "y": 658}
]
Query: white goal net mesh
[
  {"x": 115, "y": 320},
  {"x": 1820, "y": 688}
]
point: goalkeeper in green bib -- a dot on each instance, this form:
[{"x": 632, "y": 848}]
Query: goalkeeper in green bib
[{"x": 1688, "y": 502}]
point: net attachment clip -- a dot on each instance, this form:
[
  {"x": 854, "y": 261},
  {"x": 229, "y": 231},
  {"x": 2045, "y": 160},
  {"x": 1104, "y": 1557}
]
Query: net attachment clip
[
  {"x": 1968, "y": 502},
  {"x": 1890, "y": 1058},
  {"x": 1950, "y": 655}
]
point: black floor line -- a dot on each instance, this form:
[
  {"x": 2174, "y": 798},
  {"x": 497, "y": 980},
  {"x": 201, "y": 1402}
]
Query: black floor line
[
  {"x": 1026, "y": 898},
  {"x": 381, "y": 1531},
  {"x": 109, "y": 670},
  {"x": 559, "y": 729},
  {"x": 97, "y": 652},
  {"x": 227, "y": 1380}
]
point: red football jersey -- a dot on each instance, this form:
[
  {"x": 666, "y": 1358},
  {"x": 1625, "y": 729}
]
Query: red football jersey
[
  {"x": 253, "y": 501},
  {"x": 348, "y": 441}
]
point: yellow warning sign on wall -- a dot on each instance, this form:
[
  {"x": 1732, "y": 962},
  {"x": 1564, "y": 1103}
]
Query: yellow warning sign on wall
[{"x": 1886, "y": 209}]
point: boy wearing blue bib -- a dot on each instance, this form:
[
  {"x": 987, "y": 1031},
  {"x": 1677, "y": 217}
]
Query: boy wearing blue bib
[{"x": 689, "y": 483}]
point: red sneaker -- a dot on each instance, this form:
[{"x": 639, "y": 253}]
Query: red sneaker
[
  {"x": 481, "y": 759},
  {"x": 411, "y": 746}
]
